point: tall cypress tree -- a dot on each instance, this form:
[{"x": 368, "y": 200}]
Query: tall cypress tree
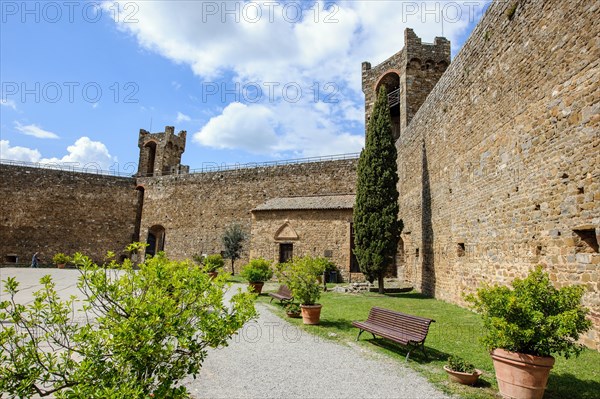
[{"x": 376, "y": 225}]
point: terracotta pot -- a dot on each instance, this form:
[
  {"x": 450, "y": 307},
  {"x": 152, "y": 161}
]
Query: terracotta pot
[
  {"x": 463, "y": 378},
  {"x": 213, "y": 274},
  {"x": 521, "y": 376},
  {"x": 311, "y": 314},
  {"x": 293, "y": 315},
  {"x": 256, "y": 287},
  {"x": 61, "y": 265}
]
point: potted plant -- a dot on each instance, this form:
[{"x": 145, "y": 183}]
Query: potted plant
[
  {"x": 212, "y": 264},
  {"x": 60, "y": 260},
  {"x": 292, "y": 310},
  {"x": 257, "y": 271},
  {"x": 301, "y": 277},
  {"x": 462, "y": 372},
  {"x": 525, "y": 326}
]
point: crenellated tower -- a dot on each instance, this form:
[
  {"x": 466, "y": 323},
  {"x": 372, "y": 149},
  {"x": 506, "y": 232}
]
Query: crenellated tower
[
  {"x": 160, "y": 153},
  {"x": 409, "y": 76}
]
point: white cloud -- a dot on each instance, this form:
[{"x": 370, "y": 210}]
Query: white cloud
[
  {"x": 85, "y": 153},
  {"x": 182, "y": 118},
  {"x": 5, "y": 102},
  {"x": 18, "y": 153},
  {"x": 35, "y": 131},
  {"x": 326, "y": 46},
  {"x": 249, "y": 127},
  {"x": 280, "y": 130}
]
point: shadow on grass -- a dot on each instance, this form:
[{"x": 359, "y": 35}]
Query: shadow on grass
[
  {"x": 569, "y": 386},
  {"x": 416, "y": 354},
  {"x": 339, "y": 324},
  {"x": 408, "y": 295}
]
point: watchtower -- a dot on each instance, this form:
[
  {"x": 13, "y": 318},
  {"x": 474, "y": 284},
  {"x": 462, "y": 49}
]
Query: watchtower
[
  {"x": 160, "y": 153},
  {"x": 408, "y": 76}
]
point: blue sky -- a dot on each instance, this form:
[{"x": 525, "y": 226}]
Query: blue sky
[{"x": 249, "y": 81}]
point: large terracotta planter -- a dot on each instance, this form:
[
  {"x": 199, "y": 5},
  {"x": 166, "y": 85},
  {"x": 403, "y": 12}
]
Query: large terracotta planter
[
  {"x": 521, "y": 376},
  {"x": 256, "y": 287},
  {"x": 311, "y": 314},
  {"x": 463, "y": 378},
  {"x": 61, "y": 265}
]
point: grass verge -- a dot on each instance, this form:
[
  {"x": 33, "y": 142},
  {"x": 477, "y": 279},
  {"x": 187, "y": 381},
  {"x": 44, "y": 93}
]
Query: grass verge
[{"x": 455, "y": 332}]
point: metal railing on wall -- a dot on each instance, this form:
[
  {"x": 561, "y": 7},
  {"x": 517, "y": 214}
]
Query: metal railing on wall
[
  {"x": 207, "y": 167},
  {"x": 215, "y": 167},
  {"x": 90, "y": 168}
]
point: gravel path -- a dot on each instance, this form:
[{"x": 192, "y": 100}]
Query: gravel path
[{"x": 271, "y": 358}]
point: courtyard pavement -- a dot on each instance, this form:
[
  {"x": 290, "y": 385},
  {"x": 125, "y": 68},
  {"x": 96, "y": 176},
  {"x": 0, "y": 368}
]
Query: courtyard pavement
[{"x": 271, "y": 358}]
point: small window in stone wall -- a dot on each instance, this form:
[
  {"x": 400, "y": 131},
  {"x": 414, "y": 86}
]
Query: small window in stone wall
[
  {"x": 417, "y": 253},
  {"x": 588, "y": 240},
  {"x": 460, "y": 249},
  {"x": 286, "y": 252},
  {"x": 11, "y": 259}
]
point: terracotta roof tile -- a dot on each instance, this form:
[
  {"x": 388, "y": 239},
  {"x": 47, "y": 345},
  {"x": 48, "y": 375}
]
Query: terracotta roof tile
[{"x": 344, "y": 201}]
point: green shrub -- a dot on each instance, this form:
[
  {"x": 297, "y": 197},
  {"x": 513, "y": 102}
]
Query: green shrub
[
  {"x": 532, "y": 318},
  {"x": 456, "y": 363},
  {"x": 212, "y": 263},
  {"x": 257, "y": 270},
  {"x": 61, "y": 259},
  {"x": 300, "y": 275},
  {"x": 292, "y": 307},
  {"x": 149, "y": 329}
]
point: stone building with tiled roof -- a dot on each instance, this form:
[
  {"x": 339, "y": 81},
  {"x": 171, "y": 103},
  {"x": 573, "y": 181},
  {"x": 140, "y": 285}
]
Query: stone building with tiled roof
[{"x": 317, "y": 225}]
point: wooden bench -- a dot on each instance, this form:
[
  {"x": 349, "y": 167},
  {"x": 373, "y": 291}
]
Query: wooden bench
[
  {"x": 283, "y": 294},
  {"x": 399, "y": 327}
]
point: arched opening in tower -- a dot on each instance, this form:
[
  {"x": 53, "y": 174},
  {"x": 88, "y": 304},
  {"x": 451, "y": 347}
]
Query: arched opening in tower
[
  {"x": 391, "y": 81},
  {"x": 138, "y": 215},
  {"x": 168, "y": 159},
  {"x": 151, "y": 157},
  {"x": 155, "y": 240}
]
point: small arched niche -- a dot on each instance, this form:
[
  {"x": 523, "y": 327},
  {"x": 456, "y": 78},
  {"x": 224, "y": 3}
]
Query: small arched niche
[{"x": 155, "y": 240}]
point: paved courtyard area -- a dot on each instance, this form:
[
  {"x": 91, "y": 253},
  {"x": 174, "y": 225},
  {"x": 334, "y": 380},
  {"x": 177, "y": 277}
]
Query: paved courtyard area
[{"x": 271, "y": 358}]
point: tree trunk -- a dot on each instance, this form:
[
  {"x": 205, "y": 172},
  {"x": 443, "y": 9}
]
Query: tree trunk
[
  {"x": 232, "y": 270},
  {"x": 380, "y": 282}
]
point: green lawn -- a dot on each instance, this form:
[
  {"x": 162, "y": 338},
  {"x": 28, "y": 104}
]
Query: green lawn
[
  {"x": 455, "y": 332},
  {"x": 236, "y": 279}
]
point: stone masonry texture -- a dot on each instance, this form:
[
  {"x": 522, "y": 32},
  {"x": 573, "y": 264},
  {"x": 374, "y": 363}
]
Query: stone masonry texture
[
  {"x": 498, "y": 160},
  {"x": 499, "y": 169},
  {"x": 322, "y": 232},
  {"x": 54, "y": 211},
  {"x": 195, "y": 209}
]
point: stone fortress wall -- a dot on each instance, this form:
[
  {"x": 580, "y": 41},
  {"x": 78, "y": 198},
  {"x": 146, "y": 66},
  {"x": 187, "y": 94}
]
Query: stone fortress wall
[
  {"x": 195, "y": 209},
  {"x": 500, "y": 167},
  {"x": 54, "y": 211}
]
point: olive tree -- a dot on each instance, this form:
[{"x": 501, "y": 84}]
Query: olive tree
[{"x": 233, "y": 241}]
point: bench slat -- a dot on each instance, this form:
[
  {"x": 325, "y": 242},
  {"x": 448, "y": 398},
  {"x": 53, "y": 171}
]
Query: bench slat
[
  {"x": 396, "y": 326},
  {"x": 283, "y": 294}
]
